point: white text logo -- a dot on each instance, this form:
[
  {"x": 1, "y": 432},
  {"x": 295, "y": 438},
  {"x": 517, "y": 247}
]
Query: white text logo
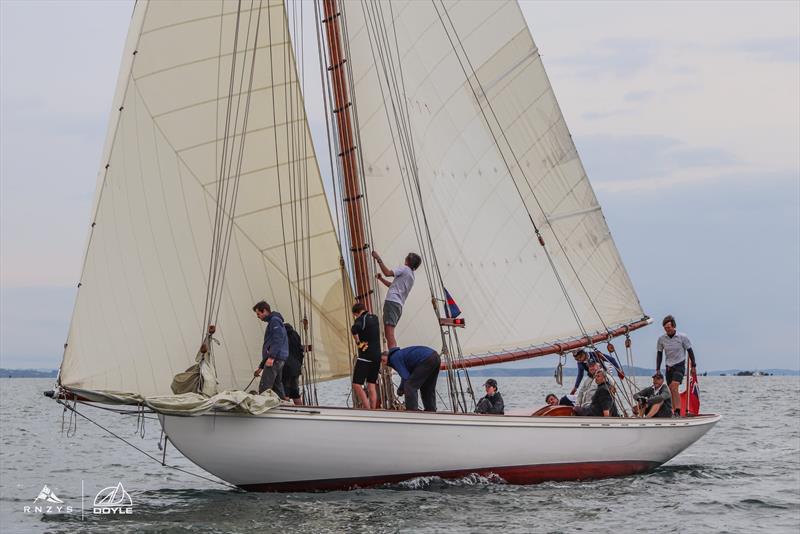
[
  {"x": 113, "y": 500},
  {"x": 41, "y": 506}
]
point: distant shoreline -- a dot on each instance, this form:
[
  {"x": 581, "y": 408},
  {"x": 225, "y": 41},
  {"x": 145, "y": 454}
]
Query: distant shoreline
[
  {"x": 28, "y": 373},
  {"x": 489, "y": 371}
]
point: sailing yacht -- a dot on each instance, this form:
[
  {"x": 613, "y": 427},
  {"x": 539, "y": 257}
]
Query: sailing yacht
[{"x": 444, "y": 137}]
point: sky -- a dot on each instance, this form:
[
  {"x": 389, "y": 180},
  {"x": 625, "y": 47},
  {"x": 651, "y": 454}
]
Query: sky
[{"x": 686, "y": 116}]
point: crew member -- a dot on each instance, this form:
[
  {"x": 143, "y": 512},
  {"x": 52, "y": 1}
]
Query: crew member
[
  {"x": 675, "y": 345},
  {"x": 583, "y": 357},
  {"x": 274, "y": 352},
  {"x": 399, "y": 289},
  {"x": 588, "y": 387},
  {"x": 418, "y": 368},
  {"x": 655, "y": 400},
  {"x": 293, "y": 367},
  {"x": 492, "y": 402},
  {"x": 602, "y": 404},
  {"x": 367, "y": 334}
]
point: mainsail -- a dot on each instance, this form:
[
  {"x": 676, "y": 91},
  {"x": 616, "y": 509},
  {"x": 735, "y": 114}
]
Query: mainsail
[
  {"x": 179, "y": 112},
  {"x": 493, "y": 156}
]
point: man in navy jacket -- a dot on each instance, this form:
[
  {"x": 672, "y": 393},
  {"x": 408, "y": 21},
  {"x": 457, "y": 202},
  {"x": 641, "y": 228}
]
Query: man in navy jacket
[
  {"x": 418, "y": 368},
  {"x": 275, "y": 351}
]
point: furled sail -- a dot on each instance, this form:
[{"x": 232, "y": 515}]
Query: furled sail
[
  {"x": 491, "y": 148},
  {"x": 139, "y": 315}
]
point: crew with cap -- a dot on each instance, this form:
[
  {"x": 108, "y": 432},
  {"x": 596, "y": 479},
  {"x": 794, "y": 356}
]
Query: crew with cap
[
  {"x": 492, "y": 402},
  {"x": 655, "y": 400}
]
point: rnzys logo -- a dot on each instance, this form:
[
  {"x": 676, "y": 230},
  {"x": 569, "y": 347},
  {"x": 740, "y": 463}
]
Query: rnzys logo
[
  {"x": 113, "y": 500},
  {"x": 41, "y": 506}
]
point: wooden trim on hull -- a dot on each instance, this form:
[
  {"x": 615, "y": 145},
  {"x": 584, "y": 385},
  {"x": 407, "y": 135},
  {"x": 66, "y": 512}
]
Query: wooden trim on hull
[{"x": 518, "y": 474}]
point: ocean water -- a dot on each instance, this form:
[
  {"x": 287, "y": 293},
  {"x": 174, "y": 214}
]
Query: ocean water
[{"x": 743, "y": 476}]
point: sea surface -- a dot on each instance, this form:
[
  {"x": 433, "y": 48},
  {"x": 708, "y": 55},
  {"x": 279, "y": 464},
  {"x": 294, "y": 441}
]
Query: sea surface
[{"x": 743, "y": 476}]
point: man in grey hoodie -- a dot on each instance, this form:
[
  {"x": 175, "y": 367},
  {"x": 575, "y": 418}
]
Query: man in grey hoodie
[{"x": 275, "y": 351}]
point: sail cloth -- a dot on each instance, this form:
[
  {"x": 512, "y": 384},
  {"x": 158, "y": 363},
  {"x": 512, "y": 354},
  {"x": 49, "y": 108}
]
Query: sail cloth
[
  {"x": 189, "y": 404},
  {"x": 486, "y": 246},
  {"x": 139, "y": 311}
]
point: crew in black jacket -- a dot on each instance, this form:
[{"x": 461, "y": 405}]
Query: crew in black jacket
[{"x": 492, "y": 403}]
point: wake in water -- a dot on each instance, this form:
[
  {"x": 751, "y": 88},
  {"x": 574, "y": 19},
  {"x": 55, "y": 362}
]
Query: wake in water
[{"x": 435, "y": 482}]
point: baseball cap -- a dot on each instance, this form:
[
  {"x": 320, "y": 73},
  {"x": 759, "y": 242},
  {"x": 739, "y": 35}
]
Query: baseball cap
[
  {"x": 491, "y": 382},
  {"x": 658, "y": 375}
]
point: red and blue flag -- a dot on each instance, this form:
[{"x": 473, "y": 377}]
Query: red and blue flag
[{"x": 452, "y": 309}]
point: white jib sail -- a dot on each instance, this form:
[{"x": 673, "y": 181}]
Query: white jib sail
[
  {"x": 490, "y": 258},
  {"x": 139, "y": 312}
]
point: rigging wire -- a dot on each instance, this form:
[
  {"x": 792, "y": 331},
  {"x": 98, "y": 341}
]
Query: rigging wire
[
  {"x": 76, "y": 413},
  {"x": 396, "y": 107}
]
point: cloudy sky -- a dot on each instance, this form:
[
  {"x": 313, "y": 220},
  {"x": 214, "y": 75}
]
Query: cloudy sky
[{"x": 686, "y": 115}]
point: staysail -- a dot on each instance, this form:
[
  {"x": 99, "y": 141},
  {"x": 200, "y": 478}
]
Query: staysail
[
  {"x": 138, "y": 318},
  {"x": 492, "y": 152}
]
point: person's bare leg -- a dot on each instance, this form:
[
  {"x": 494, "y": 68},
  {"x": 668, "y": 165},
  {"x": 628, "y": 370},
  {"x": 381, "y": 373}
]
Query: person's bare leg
[
  {"x": 654, "y": 409},
  {"x": 298, "y": 401},
  {"x": 676, "y": 399},
  {"x": 372, "y": 392},
  {"x": 359, "y": 392},
  {"x": 388, "y": 330}
]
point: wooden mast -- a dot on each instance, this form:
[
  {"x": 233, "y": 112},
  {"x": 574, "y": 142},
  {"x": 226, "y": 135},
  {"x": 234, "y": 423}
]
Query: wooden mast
[{"x": 359, "y": 247}]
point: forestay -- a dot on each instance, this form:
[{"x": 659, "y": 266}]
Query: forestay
[
  {"x": 464, "y": 125},
  {"x": 138, "y": 318}
]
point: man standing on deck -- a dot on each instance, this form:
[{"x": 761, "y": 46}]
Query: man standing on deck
[
  {"x": 399, "y": 289},
  {"x": 293, "y": 367},
  {"x": 274, "y": 352},
  {"x": 418, "y": 368},
  {"x": 675, "y": 346},
  {"x": 367, "y": 334}
]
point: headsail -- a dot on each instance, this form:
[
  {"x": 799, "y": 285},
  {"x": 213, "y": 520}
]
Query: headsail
[
  {"x": 480, "y": 105},
  {"x": 138, "y": 317}
]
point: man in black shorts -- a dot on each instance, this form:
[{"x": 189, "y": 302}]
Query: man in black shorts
[
  {"x": 673, "y": 347},
  {"x": 366, "y": 332}
]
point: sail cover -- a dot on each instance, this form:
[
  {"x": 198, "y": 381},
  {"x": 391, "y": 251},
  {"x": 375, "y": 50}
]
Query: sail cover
[
  {"x": 476, "y": 93},
  {"x": 138, "y": 318}
]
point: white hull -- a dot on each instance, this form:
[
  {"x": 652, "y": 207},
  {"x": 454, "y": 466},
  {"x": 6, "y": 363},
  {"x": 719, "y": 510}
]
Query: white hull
[{"x": 291, "y": 449}]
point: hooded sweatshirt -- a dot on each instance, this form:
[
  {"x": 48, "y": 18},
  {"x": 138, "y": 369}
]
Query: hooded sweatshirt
[{"x": 276, "y": 342}]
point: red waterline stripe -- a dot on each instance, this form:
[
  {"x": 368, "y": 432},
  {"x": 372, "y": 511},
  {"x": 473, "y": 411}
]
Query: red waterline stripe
[{"x": 518, "y": 474}]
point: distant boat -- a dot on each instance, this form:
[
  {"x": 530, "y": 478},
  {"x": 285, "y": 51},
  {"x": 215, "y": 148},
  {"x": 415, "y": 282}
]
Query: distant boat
[{"x": 445, "y": 138}]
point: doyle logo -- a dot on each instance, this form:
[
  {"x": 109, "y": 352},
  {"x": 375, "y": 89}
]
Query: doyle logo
[
  {"x": 47, "y": 503},
  {"x": 113, "y": 500}
]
